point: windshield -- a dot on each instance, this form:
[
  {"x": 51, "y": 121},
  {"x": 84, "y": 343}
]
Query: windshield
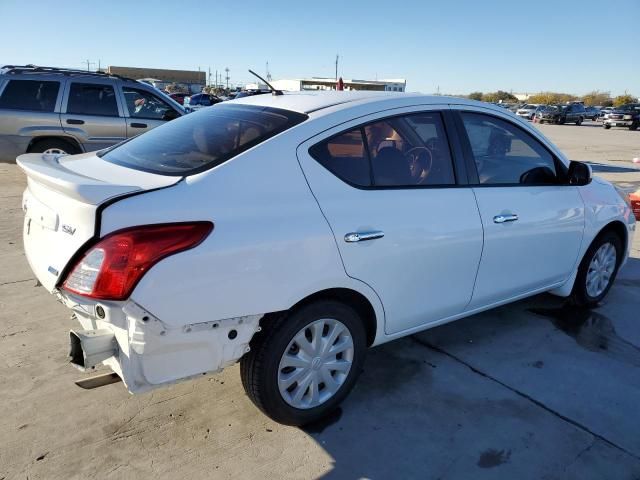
[{"x": 202, "y": 140}]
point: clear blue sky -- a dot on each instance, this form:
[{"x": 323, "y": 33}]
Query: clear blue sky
[{"x": 457, "y": 45}]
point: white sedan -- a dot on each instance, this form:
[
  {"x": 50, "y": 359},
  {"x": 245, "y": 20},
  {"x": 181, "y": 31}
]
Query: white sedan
[{"x": 293, "y": 231}]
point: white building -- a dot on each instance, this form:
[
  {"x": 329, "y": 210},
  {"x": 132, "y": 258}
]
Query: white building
[{"x": 320, "y": 83}]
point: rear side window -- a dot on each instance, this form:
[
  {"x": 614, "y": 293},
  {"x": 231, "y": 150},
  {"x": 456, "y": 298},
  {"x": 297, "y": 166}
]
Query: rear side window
[
  {"x": 31, "y": 95},
  {"x": 92, "y": 99},
  {"x": 402, "y": 151},
  {"x": 202, "y": 140},
  {"x": 346, "y": 157}
]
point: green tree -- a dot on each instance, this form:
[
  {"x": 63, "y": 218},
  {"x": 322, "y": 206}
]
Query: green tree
[
  {"x": 475, "y": 96},
  {"x": 500, "y": 95},
  {"x": 548, "y": 98},
  {"x": 597, "y": 98},
  {"x": 622, "y": 99}
]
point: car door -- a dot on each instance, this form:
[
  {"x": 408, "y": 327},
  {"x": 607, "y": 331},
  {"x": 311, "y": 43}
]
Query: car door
[
  {"x": 28, "y": 108},
  {"x": 402, "y": 223},
  {"x": 533, "y": 219},
  {"x": 92, "y": 113},
  {"x": 144, "y": 110}
]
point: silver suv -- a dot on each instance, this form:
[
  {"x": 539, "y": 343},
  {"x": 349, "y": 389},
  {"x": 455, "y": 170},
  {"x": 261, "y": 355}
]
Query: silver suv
[{"x": 56, "y": 110}]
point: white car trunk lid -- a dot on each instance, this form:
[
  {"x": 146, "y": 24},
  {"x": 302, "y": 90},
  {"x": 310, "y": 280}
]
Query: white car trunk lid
[{"x": 61, "y": 203}]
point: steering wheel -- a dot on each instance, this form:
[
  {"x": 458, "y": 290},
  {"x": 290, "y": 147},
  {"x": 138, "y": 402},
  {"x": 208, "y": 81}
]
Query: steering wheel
[{"x": 413, "y": 155}]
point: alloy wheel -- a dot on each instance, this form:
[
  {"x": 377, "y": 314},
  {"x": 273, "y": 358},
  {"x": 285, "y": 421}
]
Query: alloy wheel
[{"x": 601, "y": 268}]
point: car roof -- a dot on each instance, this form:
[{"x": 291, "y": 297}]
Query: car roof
[{"x": 314, "y": 101}]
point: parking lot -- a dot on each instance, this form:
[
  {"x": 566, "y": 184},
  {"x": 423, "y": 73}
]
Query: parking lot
[{"x": 530, "y": 390}]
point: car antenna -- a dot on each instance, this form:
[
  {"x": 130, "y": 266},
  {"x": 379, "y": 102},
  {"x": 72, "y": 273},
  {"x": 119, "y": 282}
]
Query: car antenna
[{"x": 273, "y": 90}]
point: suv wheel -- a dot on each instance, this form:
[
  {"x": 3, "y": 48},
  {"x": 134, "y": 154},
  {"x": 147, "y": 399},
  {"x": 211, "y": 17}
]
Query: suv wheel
[
  {"x": 53, "y": 145},
  {"x": 303, "y": 364},
  {"x": 598, "y": 270},
  {"x": 606, "y": 126},
  {"x": 579, "y": 121},
  {"x": 634, "y": 126}
]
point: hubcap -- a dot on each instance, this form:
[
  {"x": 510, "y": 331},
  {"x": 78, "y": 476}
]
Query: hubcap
[
  {"x": 315, "y": 364},
  {"x": 55, "y": 151},
  {"x": 601, "y": 269}
]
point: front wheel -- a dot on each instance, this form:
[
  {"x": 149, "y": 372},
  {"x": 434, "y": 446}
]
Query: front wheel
[
  {"x": 303, "y": 364},
  {"x": 598, "y": 270},
  {"x": 633, "y": 126},
  {"x": 579, "y": 121},
  {"x": 606, "y": 126}
]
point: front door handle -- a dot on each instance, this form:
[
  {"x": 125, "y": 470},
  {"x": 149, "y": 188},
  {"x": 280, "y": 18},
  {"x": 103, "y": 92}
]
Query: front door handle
[
  {"x": 75, "y": 121},
  {"x": 362, "y": 236},
  {"x": 505, "y": 218},
  {"x": 138, "y": 125}
]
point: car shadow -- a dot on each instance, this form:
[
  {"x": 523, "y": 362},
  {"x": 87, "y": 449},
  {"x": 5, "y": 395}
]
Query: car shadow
[{"x": 419, "y": 410}]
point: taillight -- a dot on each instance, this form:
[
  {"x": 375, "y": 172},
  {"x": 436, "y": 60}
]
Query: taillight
[{"x": 110, "y": 269}]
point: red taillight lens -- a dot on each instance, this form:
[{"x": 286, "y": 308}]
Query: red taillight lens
[{"x": 111, "y": 268}]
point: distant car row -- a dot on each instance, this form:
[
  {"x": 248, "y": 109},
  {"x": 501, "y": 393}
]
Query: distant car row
[
  {"x": 200, "y": 100},
  {"x": 623, "y": 116}
]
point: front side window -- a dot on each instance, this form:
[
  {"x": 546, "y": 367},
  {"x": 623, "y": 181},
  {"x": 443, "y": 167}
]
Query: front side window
[
  {"x": 143, "y": 104},
  {"x": 202, "y": 140},
  {"x": 92, "y": 99},
  {"x": 504, "y": 154},
  {"x": 33, "y": 95},
  {"x": 403, "y": 151}
]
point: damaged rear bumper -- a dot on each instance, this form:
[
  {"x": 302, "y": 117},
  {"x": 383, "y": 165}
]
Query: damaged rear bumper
[{"x": 145, "y": 352}]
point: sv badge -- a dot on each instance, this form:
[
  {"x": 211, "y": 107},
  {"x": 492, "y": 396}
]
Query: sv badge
[{"x": 68, "y": 229}]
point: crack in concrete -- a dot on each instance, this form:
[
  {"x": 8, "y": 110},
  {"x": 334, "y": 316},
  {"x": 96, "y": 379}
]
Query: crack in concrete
[
  {"x": 580, "y": 453},
  {"x": 17, "y": 281},
  {"x": 576, "y": 424}
]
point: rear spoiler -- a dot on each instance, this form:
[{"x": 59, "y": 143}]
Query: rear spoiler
[{"x": 46, "y": 170}]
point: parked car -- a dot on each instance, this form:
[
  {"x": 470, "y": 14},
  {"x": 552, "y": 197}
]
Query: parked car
[
  {"x": 605, "y": 110},
  {"x": 292, "y": 232},
  {"x": 634, "y": 198},
  {"x": 624, "y": 116},
  {"x": 72, "y": 111},
  {"x": 592, "y": 113},
  {"x": 561, "y": 114},
  {"x": 202, "y": 100},
  {"x": 528, "y": 111},
  {"x": 180, "y": 97}
]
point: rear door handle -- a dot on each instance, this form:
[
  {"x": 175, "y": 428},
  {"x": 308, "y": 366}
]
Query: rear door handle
[
  {"x": 505, "y": 218},
  {"x": 362, "y": 236},
  {"x": 75, "y": 121},
  {"x": 138, "y": 125}
]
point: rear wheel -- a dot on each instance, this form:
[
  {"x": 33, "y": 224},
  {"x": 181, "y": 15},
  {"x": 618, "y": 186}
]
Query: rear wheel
[
  {"x": 53, "y": 145},
  {"x": 579, "y": 121},
  {"x": 304, "y": 363},
  {"x": 597, "y": 270},
  {"x": 606, "y": 126}
]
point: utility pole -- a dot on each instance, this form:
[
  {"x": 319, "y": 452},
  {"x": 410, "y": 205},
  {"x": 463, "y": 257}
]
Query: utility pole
[
  {"x": 89, "y": 63},
  {"x": 337, "y": 58},
  {"x": 209, "y": 76},
  {"x": 268, "y": 73},
  {"x": 227, "y": 77}
]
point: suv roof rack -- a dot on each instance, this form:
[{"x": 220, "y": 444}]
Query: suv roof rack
[{"x": 15, "y": 69}]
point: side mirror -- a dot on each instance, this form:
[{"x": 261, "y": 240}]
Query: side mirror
[
  {"x": 579, "y": 173},
  {"x": 170, "y": 115}
]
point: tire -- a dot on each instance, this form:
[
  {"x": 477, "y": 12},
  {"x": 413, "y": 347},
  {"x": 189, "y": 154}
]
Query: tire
[
  {"x": 561, "y": 121},
  {"x": 261, "y": 368},
  {"x": 633, "y": 126},
  {"x": 53, "y": 145},
  {"x": 606, "y": 127},
  {"x": 579, "y": 121},
  {"x": 582, "y": 295}
]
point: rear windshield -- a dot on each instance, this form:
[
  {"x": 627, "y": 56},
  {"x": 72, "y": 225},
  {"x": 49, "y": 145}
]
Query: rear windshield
[{"x": 202, "y": 140}]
